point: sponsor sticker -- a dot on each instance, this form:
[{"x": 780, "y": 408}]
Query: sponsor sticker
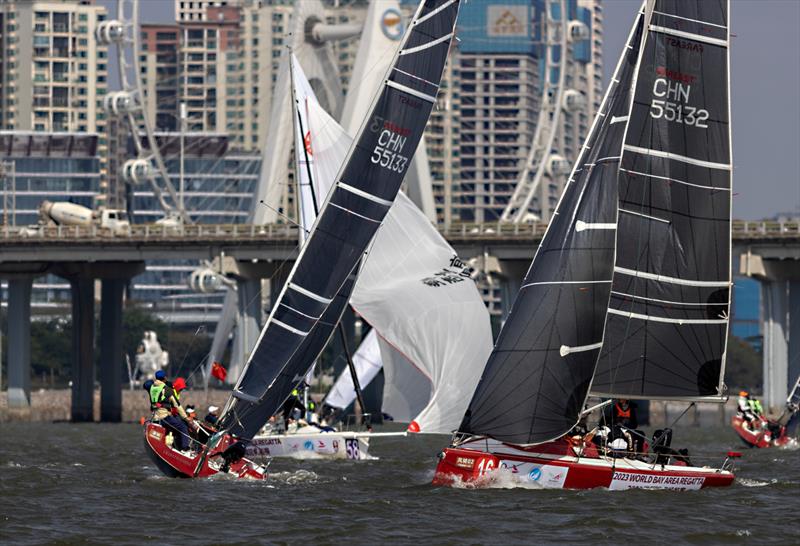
[
  {"x": 309, "y": 445},
  {"x": 632, "y": 480},
  {"x": 465, "y": 462},
  {"x": 546, "y": 475},
  {"x": 155, "y": 434}
]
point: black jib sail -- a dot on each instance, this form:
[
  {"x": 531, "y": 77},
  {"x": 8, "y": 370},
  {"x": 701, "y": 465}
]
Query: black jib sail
[
  {"x": 668, "y": 317},
  {"x": 537, "y": 378},
  {"x": 352, "y": 213}
]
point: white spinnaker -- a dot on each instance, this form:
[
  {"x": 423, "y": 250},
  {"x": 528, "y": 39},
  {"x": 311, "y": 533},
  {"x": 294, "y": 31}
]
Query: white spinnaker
[
  {"x": 367, "y": 362},
  {"x": 415, "y": 292}
]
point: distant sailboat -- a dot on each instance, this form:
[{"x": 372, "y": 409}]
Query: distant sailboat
[
  {"x": 628, "y": 293},
  {"x": 314, "y": 296}
]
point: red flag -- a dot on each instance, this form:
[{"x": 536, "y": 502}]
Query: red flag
[{"x": 219, "y": 371}]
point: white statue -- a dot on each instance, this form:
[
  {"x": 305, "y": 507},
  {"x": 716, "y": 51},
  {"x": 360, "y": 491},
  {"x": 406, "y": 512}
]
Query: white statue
[{"x": 150, "y": 357}]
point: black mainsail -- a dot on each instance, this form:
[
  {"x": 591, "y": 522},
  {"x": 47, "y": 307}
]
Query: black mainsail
[
  {"x": 538, "y": 375},
  {"x": 668, "y": 318},
  {"x": 310, "y": 304}
]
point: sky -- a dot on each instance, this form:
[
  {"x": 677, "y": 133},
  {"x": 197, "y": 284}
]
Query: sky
[{"x": 765, "y": 94}]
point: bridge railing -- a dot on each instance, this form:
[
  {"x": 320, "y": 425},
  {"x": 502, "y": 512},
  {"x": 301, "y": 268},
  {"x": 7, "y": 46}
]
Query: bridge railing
[{"x": 279, "y": 232}]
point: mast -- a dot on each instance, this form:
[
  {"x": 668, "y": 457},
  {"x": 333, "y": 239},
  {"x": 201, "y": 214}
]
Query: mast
[
  {"x": 340, "y": 327},
  {"x": 311, "y": 302}
]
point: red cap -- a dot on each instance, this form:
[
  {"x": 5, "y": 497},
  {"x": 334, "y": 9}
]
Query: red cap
[{"x": 179, "y": 384}]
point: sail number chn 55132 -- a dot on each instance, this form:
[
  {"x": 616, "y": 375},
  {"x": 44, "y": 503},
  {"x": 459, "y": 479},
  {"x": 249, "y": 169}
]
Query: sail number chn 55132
[
  {"x": 391, "y": 141},
  {"x": 672, "y": 104}
]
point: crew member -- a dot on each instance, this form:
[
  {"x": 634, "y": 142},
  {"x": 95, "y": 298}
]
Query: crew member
[
  {"x": 622, "y": 419},
  {"x": 743, "y": 408},
  {"x": 213, "y": 415},
  {"x": 172, "y": 415},
  {"x": 157, "y": 393},
  {"x": 292, "y": 403}
]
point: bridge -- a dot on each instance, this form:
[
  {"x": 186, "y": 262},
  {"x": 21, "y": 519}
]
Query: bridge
[{"x": 767, "y": 251}]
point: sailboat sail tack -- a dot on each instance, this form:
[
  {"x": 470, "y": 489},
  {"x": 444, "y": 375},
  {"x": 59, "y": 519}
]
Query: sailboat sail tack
[
  {"x": 628, "y": 293},
  {"x": 310, "y": 303}
]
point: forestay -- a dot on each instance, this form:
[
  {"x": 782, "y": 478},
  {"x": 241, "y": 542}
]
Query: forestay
[
  {"x": 537, "y": 378},
  {"x": 668, "y": 315},
  {"x": 348, "y": 220}
]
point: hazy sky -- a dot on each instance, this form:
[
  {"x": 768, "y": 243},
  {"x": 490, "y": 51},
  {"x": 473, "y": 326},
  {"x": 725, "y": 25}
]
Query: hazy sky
[{"x": 765, "y": 88}]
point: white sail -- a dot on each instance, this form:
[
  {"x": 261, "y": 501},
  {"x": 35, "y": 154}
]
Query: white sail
[
  {"x": 367, "y": 362},
  {"x": 418, "y": 295}
]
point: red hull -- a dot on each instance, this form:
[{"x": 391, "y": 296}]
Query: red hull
[
  {"x": 760, "y": 438},
  {"x": 556, "y": 465},
  {"x": 177, "y": 464}
]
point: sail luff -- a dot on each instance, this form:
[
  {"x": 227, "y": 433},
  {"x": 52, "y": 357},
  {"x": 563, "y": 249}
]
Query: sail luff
[{"x": 364, "y": 190}]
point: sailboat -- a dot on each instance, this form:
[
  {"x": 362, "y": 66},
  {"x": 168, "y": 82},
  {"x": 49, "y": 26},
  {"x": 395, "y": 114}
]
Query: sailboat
[
  {"x": 318, "y": 287},
  {"x": 628, "y": 293},
  {"x": 429, "y": 321},
  {"x": 780, "y": 432}
]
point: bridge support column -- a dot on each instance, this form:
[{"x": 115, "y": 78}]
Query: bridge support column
[
  {"x": 111, "y": 352},
  {"x": 780, "y": 296},
  {"x": 248, "y": 324},
  {"x": 19, "y": 343},
  {"x": 82, "y": 349}
]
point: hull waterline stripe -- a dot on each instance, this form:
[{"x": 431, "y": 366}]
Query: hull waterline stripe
[
  {"x": 664, "y": 278},
  {"x": 689, "y": 19},
  {"x": 665, "y": 319},
  {"x": 678, "y": 157},
  {"x": 309, "y": 293},
  {"x": 565, "y": 350},
  {"x": 290, "y": 328},
  {"x": 364, "y": 194},
  {"x": 426, "y": 45},
  {"x": 563, "y": 282},
  {"x": 626, "y": 211},
  {"x": 689, "y": 35},
  {"x": 412, "y": 92},
  {"x": 434, "y": 12},
  {"x": 675, "y": 180},
  {"x": 580, "y": 225}
]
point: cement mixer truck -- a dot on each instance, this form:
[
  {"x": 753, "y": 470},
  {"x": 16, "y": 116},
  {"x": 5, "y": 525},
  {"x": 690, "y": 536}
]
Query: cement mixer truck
[{"x": 71, "y": 214}]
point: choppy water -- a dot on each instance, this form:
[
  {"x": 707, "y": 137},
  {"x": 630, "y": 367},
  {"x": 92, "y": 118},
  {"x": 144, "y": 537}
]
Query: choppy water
[{"x": 93, "y": 484}]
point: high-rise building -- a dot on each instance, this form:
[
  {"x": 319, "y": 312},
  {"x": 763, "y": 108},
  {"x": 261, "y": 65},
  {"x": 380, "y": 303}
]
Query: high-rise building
[
  {"x": 480, "y": 138},
  {"x": 53, "y": 73},
  {"x": 220, "y": 59}
]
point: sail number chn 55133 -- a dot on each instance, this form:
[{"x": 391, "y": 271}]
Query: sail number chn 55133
[
  {"x": 391, "y": 141},
  {"x": 672, "y": 103}
]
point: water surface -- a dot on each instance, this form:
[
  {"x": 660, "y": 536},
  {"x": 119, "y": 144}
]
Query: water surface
[{"x": 93, "y": 484}]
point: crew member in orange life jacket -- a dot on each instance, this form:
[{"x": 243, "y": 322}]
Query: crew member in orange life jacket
[{"x": 621, "y": 417}]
